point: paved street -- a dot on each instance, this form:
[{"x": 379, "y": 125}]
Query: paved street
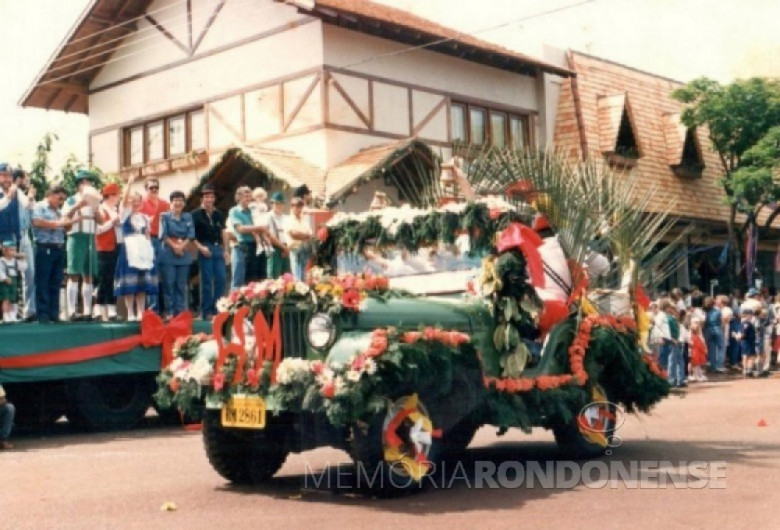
[{"x": 67, "y": 480}]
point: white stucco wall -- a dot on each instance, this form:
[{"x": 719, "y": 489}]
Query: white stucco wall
[
  {"x": 347, "y": 49},
  {"x": 200, "y": 80},
  {"x": 104, "y": 150}
]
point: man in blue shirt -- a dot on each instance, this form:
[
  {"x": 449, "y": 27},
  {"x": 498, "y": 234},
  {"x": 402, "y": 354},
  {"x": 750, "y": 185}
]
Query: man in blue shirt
[
  {"x": 48, "y": 230},
  {"x": 245, "y": 252},
  {"x": 22, "y": 182}
]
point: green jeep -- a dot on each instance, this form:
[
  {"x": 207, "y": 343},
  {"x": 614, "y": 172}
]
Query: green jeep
[{"x": 398, "y": 380}]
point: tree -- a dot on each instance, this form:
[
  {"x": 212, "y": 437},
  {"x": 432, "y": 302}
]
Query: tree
[
  {"x": 39, "y": 172},
  {"x": 40, "y": 166},
  {"x": 742, "y": 119}
]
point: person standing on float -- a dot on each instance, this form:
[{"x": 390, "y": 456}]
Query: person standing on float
[
  {"x": 16, "y": 203},
  {"x": 108, "y": 239},
  {"x": 81, "y": 252},
  {"x": 153, "y": 207},
  {"x": 177, "y": 233}
]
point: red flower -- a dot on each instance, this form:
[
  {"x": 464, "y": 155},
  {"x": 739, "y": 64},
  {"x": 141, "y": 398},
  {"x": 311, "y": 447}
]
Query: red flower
[
  {"x": 322, "y": 234},
  {"x": 219, "y": 381},
  {"x": 382, "y": 283},
  {"x": 351, "y": 299},
  {"x": 495, "y": 213},
  {"x": 430, "y": 333},
  {"x": 349, "y": 282},
  {"x": 174, "y": 385},
  {"x": 317, "y": 367},
  {"x": 411, "y": 337},
  {"x": 328, "y": 389},
  {"x": 359, "y": 362},
  {"x": 253, "y": 377}
]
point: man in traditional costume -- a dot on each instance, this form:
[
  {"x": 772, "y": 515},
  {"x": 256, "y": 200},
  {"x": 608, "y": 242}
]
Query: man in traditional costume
[{"x": 82, "y": 252}]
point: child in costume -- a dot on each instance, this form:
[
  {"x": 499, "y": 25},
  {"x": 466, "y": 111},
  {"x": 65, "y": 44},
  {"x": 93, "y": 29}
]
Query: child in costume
[
  {"x": 10, "y": 270},
  {"x": 698, "y": 351}
]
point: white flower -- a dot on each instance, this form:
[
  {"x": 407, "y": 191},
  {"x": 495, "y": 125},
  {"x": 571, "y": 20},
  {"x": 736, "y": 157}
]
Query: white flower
[
  {"x": 369, "y": 366},
  {"x": 354, "y": 375},
  {"x": 301, "y": 288},
  {"x": 325, "y": 377},
  {"x": 176, "y": 364},
  {"x": 201, "y": 370},
  {"x": 223, "y": 304},
  {"x": 339, "y": 385}
]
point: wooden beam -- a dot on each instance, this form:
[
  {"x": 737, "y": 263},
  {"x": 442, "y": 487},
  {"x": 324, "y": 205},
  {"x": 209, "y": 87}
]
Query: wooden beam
[
  {"x": 301, "y": 102},
  {"x": 209, "y": 22},
  {"x": 429, "y": 116},
  {"x": 153, "y": 21},
  {"x": 189, "y": 25},
  {"x": 365, "y": 119},
  {"x": 71, "y": 102}
]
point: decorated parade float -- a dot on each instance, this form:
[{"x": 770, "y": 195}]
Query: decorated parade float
[{"x": 550, "y": 332}]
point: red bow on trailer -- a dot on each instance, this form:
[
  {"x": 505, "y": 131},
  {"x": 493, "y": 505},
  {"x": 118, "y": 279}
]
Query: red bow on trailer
[{"x": 154, "y": 332}]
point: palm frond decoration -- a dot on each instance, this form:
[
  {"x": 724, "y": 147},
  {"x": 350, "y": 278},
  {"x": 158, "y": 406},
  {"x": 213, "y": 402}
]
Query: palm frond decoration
[{"x": 588, "y": 204}]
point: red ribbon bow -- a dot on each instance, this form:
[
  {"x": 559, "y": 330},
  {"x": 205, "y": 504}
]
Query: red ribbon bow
[{"x": 155, "y": 332}]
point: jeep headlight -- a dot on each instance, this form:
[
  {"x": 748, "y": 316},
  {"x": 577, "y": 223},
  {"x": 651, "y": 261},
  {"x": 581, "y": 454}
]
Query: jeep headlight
[{"x": 321, "y": 331}]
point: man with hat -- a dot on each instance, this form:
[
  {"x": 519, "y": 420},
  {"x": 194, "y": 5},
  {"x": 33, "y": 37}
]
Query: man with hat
[
  {"x": 279, "y": 260},
  {"x": 107, "y": 241},
  {"x": 49, "y": 232},
  {"x": 7, "y": 413},
  {"x": 15, "y": 210},
  {"x": 212, "y": 251},
  {"x": 82, "y": 254}
]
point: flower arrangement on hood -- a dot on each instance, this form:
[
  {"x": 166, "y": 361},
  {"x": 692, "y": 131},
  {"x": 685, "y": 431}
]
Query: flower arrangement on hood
[{"x": 323, "y": 293}]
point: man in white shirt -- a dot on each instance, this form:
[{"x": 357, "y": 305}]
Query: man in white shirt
[{"x": 300, "y": 236}]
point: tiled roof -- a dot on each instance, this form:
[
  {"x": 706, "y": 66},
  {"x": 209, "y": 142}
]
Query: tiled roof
[
  {"x": 289, "y": 167},
  {"x": 600, "y": 86},
  {"x": 391, "y": 23},
  {"x": 365, "y": 162}
]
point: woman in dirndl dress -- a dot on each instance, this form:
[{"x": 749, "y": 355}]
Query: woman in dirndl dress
[{"x": 136, "y": 275}]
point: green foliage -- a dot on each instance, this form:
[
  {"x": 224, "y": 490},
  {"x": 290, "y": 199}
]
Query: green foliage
[
  {"x": 757, "y": 179},
  {"x": 353, "y": 235},
  {"x": 40, "y": 166},
  {"x": 737, "y": 115}
]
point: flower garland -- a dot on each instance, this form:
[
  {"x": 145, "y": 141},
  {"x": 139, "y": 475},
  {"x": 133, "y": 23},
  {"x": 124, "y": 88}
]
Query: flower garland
[
  {"x": 179, "y": 385},
  {"x": 577, "y": 350},
  {"x": 412, "y": 228},
  {"x": 323, "y": 293},
  {"x": 345, "y": 392}
]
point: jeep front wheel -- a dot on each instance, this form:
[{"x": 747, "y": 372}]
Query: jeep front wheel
[
  {"x": 396, "y": 449},
  {"x": 589, "y": 434},
  {"x": 241, "y": 456}
]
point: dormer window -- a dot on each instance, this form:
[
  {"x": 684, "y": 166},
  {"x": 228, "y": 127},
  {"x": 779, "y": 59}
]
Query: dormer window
[
  {"x": 626, "y": 145},
  {"x": 692, "y": 163},
  {"x": 617, "y": 135},
  {"x": 683, "y": 150}
]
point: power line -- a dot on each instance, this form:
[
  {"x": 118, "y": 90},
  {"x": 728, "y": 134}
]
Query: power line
[
  {"x": 242, "y": 2},
  {"x": 149, "y": 29},
  {"x": 471, "y": 34},
  {"x": 125, "y": 56}
]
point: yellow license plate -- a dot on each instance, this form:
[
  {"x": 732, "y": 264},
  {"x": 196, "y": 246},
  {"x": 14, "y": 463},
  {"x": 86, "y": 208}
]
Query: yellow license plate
[{"x": 244, "y": 413}]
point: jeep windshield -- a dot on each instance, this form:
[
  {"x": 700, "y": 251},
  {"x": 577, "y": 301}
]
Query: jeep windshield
[{"x": 435, "y": 270}]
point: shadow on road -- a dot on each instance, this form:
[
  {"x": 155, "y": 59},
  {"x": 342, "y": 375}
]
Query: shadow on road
[{"x": 457, "y": 488}]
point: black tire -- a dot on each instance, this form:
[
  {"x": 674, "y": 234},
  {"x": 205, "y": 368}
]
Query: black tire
[
  {"x": 241, "y": 456},
  {"x": 38, "y": 405},
  {"x": 458, "y": 438},
  {"x": 109, "y": 403},
  {"x": 578, "y": 440},
  {"x": 375, "y": 473}
]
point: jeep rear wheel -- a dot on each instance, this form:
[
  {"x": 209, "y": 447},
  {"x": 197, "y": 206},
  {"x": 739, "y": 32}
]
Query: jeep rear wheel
[
  {"x": 589, "y": 434},
  {"x": 109, "y": 403},
  {"x": 241, "y": 456},
  {"x": 397, "y": 449}
]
